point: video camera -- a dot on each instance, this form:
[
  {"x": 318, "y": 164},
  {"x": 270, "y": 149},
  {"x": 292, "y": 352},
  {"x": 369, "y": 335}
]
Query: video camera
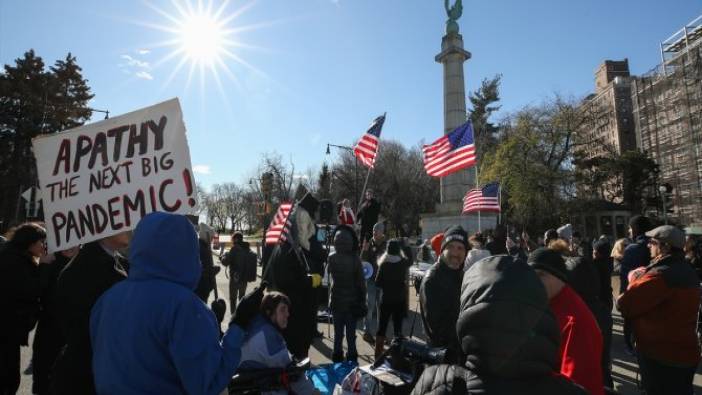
[
  {"x": 256, "y": 381},
  {"x": 400, "y": 366}
]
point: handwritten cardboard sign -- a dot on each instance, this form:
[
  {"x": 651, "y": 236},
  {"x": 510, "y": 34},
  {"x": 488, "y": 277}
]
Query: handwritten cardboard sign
[{"x": 101, "y": 179}]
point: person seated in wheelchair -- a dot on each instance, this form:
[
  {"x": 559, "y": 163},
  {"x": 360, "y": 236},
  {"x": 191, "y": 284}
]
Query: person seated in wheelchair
[{"x": 264, "y": 346}]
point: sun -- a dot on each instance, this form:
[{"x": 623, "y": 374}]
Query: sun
[{"x": 203, "y": 37}]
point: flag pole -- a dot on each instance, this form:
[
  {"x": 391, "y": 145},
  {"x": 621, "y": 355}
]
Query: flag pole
[
  {"x": 499, "y": 201},
  {"x": 477, "y": 185},
  {"x": 365, "y": 183}
]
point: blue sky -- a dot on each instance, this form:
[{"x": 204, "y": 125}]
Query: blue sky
[{"x": 319, "y": 71}]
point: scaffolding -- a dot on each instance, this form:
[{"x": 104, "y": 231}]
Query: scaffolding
[{"x": 668, "y": 115}]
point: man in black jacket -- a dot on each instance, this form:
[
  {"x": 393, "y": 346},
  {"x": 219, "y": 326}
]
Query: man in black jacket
[
  {"x": 440, "y": 292},
  {"x": 241, "y": 263},
  {"x": 368, "y": 215},
  {"x": 508, "y": 334},
  {"x": 96, "y": 268}
]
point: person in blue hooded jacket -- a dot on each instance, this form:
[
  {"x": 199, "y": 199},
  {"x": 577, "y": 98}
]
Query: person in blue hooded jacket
[{"x": 150, "y": 333}]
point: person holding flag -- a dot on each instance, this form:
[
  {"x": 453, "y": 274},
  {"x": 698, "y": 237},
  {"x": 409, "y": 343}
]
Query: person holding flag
[
  {"x": 366, "y": 151},
  {"x": 289, "y": 271}
]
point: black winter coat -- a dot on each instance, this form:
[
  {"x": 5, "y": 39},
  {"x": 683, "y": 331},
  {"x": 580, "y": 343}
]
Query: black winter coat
[
  {"x": 207, "y": 280},
  {"x": 368, "y": 215},
  {"x": 287, "y": 274},
  {"x": 585, "y": 280},
  {"x": 19, "y": 294},
  {"x": 393, "y": 276},
  {"x": 92, "y": 272},
  {"x": 508, "y": 334},
  {"x": 48, "y": 338},
  {"x": 439, "y": 302},
  {"x": 457, "y": 380},
  {"x": 348, "y": 286}
]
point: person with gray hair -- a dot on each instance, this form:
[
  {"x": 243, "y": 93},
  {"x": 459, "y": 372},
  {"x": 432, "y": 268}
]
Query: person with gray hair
[{"x": 661, "y": 303}]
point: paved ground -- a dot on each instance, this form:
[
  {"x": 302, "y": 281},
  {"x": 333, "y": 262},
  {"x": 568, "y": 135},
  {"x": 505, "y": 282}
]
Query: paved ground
[{"x": 624, "y": 366}]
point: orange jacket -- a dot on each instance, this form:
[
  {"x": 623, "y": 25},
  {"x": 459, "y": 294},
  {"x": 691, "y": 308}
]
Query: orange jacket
[{"x": 663, "y": 305}]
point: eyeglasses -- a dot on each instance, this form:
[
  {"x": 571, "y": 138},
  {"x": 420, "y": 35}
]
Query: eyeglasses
[{"x": 653, "y": 242}]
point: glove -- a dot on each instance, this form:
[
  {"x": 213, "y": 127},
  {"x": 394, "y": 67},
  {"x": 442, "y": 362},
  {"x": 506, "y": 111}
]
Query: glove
[
  {"x": 248, "y": 307},
  {"x": 316, "y": 280}
]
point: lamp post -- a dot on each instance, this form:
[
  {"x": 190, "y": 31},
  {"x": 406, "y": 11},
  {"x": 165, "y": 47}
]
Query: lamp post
[
  {"x": 355, "y": 169},
  {"x": 106, "y": 112},
  {"x": 662, "y": 189}
]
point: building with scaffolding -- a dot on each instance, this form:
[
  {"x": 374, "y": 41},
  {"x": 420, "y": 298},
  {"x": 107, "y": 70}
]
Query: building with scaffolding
[{"x": 667, "y": 112}]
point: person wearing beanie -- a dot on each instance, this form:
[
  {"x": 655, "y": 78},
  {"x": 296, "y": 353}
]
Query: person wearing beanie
[
  {"x": 392, "y": 276},
  {"x": 371, "y": 251},
  {"x": 580, "y": 351},
  {"x": 436, "y": 243},
  {"x": 565, "y": 232},
  {"x": 662, "y": 305},
  {"x": 440, "y": 291},
  {"x": 508, "y": 334}
]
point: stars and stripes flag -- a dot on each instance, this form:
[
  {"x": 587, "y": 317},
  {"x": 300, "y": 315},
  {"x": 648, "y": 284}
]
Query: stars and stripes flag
[
  {"x": 450, "y": 153},
  {"x": 280, "y": 225},
  {"x": 367, "y": 147},
  {"x": 486, "y": 198}
]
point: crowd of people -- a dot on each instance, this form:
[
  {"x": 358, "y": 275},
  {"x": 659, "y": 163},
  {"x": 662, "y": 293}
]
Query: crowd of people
[{"x": 515, "y": 315}]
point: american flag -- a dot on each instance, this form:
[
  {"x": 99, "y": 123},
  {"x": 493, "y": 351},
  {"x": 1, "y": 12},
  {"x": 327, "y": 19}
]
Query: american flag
[
  {"x": 482, "y": 199},
  {"x": 367, "y": 146},
  {"x": 451, "y": 152},
  {"x": 280, "y": 225}
]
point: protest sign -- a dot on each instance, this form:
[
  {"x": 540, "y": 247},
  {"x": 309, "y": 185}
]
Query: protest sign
[{"x": 101, "y": 179}]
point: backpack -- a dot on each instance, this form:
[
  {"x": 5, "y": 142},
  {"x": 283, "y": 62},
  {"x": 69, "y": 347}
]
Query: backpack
[{"x": 250, "y": 262}]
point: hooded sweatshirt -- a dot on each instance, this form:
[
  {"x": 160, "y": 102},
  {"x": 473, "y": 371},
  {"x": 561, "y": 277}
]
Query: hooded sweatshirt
[
  {"x": 151, "y": 333},
  {"x": 348, "y": 286}
]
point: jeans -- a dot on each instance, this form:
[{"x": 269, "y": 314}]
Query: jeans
[
  {"x": 371, "y": 321},
  {"x": 345, "y": 322},
  {"x": 661, "y": 379}
]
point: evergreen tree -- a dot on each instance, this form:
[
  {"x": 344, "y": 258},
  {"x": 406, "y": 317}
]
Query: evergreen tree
[
  {"x": 34, "y": 101},
  {"x": 324, "y": 183},
  {"x": 483, "y": 106}
]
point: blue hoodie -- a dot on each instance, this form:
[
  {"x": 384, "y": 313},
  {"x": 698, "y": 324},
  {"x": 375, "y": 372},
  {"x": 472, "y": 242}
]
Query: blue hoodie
[{"x": 150, "y": 333}]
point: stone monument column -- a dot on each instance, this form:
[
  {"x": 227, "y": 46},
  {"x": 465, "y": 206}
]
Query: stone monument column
[
  {"x": 454, "y": 186},
  {"x": 452, "y": 57}
]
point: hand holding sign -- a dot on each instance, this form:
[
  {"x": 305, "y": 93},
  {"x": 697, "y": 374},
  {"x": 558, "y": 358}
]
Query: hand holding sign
[{"x": 101, "y": 179}]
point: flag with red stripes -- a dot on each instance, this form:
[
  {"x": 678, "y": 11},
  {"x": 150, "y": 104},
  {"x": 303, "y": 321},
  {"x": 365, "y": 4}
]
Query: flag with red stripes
[
  {"x": 486, "y": 198},
  {"x": 280, "y": 225},
  {"x": 450, "y": 153},
  {"x": 367, "y": 147}
]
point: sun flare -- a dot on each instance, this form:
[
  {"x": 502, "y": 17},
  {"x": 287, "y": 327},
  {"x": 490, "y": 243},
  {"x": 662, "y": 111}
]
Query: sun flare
[{"x": 202, "y": 38}]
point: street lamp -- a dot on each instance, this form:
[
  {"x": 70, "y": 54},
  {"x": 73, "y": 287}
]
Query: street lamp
[
  {"x": 106, "y": 112},
  {"x": 355, "y": 169},
  {"x": 662, "y": 189}
]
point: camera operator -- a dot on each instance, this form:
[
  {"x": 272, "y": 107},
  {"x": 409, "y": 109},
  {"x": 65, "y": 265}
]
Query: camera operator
[
  {"x": 264, "y": 346},
  {"x": 440, "y": 293},
  {"x": 508, "y": 334}
]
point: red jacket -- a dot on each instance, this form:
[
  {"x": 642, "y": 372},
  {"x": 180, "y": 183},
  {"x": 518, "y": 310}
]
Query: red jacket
[
  {"x": 662, "y": 306},
  {"x": 581, "y": 341}
]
